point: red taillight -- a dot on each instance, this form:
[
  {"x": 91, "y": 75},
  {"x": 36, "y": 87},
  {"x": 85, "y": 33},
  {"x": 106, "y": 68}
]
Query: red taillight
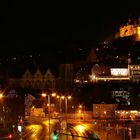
[{"x": 10, "y": 136}]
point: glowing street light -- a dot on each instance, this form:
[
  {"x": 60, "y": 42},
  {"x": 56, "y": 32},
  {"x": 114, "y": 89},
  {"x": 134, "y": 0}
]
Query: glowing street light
[
  {"x": 66, "y": 104},
  {"x": 44, "y": 95},
  {"x": 66, "y": 98},
  {"x": 62, "y": 97},
  {"x": 80, "y": 106},
  {"x": 53, "y": 94},
  {"x": 69, "y": 97},
  {"x": 1, "y": 95}
]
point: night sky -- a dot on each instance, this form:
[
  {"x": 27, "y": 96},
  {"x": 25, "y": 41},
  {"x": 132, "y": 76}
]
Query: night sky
[{"x": 47, "y": 28}]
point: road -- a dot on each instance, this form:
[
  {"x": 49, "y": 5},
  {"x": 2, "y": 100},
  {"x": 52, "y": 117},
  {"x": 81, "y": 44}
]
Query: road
[
  {"x": 77, "y": 130},
  {"x": 38, "y": 130}
]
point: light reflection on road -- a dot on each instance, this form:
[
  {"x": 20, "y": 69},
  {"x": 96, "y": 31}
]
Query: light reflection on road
[
  {"x": 41, "y": 131},
  {"x": 81, "y": 130},
  {"x": 46, "y": 124},
  {"x": 33, "y": 132}
]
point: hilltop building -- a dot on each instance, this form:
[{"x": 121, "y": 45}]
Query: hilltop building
[{"x": 131, "y": 28}]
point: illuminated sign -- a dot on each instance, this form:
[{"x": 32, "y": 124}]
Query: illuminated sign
[
  {"x": 19, "y": 128},
  {"x": 136, "y": 72},
  {"x": 122, "y": 93},
  {"x": 119, "y": 71}
]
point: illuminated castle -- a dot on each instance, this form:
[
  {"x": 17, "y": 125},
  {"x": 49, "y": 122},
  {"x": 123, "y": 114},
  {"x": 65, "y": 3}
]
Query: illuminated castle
[{"x": 132, "y": 28}]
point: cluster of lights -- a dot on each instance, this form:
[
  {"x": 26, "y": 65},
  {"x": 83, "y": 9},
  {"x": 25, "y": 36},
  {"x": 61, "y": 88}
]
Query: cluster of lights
[
  {"x": 93, "y": 77},
  {"x": 63, "y": 97},
  {"x": 119, "y": 71},
  {"x": 135, "y": 67},
  {"x": 57, "y": 96},
  {"x": 125, "y": 114}
]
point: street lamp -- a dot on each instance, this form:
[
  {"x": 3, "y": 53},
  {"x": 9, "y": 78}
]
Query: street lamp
[
  {"x": 66, "y": 105},
  {"x": 1, "y": 96},
  {"x": 60, "y": 97},
  {"x": 80, "y": 106},
  {"x": 66, "y": 98},
  {"x": 44, "y": 95}
]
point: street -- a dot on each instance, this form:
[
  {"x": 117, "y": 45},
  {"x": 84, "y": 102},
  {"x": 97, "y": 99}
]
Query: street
[{"x": 38, "y": 129}]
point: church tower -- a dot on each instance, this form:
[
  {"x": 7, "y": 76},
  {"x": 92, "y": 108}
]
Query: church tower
[{"x": 65, "y": 76}]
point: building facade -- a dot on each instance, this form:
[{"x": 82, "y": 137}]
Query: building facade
[
  {"x": 44, "y": 81},
  {"x": 104, "y": 111}
]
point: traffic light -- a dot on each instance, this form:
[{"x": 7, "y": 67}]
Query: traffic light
[
  {"x": 95, "y": 137},
  {"x": 55, "y": 135}
]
